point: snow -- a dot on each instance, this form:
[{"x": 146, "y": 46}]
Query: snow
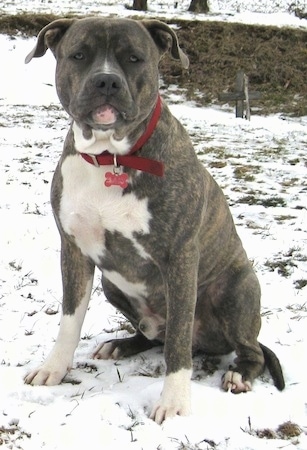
[{"x": 104, "y": 404}]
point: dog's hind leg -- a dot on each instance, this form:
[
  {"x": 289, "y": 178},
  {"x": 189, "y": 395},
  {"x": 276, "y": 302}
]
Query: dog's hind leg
[
  {"x": 239, "y": 315},
  {"x": 249, "y": 364},
  {"x": 123, "y": 347}
]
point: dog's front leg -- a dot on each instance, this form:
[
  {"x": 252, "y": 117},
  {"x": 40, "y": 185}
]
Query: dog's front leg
[
  {"x": 77, "y": 275},
  {"x": 181, "y": 292}
]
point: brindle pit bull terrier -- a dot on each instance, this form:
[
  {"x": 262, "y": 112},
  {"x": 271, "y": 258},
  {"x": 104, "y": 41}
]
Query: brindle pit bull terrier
[{"x": 130, "y": 197}]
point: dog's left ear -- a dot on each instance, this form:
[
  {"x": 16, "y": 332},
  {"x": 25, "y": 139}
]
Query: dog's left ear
[{"x": 166, "y": 40}]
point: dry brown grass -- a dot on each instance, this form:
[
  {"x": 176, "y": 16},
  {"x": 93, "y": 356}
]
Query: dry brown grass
[{"x": 275, "y": 59}]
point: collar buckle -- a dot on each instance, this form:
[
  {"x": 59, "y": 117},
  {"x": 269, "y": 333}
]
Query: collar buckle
[{"x": 94, "y": 159}]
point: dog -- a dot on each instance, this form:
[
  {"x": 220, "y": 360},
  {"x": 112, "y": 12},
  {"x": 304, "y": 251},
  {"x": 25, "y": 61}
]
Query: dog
[{"x": 130, "y": 197}]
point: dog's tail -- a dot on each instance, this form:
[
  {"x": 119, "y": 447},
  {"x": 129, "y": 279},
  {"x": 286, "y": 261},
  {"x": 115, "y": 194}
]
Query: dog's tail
[{"x": 273, "y": 364}]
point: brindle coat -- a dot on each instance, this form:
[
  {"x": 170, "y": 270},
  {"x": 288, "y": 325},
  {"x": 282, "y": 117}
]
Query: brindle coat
[{"x": 197, "y": 289}]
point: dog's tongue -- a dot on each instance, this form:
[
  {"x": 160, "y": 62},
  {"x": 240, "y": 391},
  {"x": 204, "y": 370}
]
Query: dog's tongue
[{"x": 105, "y": 115}]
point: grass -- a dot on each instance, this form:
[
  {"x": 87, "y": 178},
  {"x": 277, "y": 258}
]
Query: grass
[
  {"x": 14, "y": 265},
  {"x": 267, "y": 202},
  {"x": 297, "y": 307},
  {"x": 284, "y": 267},
  {"x": 11, "y": 435},
  {"x": 287, "y": 431},
  {"x": 246, "y": 172},
  {"x": 207, "y": 444},
  {"x": 217, "y": 51},
  {"x": 300, "y": 284}
]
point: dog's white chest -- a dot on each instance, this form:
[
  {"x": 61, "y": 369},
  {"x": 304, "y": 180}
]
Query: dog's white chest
[{"x": 88, "y": 208}]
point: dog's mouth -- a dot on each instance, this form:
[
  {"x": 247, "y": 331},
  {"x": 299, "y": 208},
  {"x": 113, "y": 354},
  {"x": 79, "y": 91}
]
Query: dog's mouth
[{"x": 105, "y": 115}]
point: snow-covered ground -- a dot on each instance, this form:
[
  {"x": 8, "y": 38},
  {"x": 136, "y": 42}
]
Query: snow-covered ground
[{"x": 104, "y": 404}]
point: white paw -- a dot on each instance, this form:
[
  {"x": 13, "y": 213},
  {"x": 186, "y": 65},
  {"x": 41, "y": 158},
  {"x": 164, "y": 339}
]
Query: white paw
[
  {"x": 53, "y": 369},
  {"x": 47, "y": 375},
  {"x": 233, "y": 381},
  {"x": 175, "y": 398},
  {"x": 164, "y": 410}
]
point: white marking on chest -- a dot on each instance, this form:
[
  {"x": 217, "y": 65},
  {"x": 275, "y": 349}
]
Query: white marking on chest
[
  {"x": 99, "y": 142},
  {"x": 88, "y": 208},
  {"x": 135, "y": 290}
]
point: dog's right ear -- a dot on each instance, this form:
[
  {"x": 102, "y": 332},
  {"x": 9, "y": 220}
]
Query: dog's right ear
[{"x": 49, "y": 37}]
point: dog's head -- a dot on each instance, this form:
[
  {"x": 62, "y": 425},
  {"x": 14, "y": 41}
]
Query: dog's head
[{"x": 107, "y": 69}]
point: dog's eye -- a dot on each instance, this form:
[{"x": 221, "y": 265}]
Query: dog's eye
[
  {"x": 134, "y": 59},
  {"x": 78, "y": 56}
]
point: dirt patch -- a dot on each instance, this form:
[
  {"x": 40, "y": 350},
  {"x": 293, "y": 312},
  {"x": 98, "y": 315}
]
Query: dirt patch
[{"x": 275, "y": 59}]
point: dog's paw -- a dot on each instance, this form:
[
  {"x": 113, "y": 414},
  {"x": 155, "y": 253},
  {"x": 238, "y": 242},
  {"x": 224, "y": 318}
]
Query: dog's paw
[
  {"x": 233, "y": 381},
  {"x": 175, "y": 398},
  {"x": 107, "y": 350},
  {"x": 122, "y": 348},
  {"x": 52, "y": 372},
  {"x": 46, "y": 375},
  {"x": 165, "y": 410}
]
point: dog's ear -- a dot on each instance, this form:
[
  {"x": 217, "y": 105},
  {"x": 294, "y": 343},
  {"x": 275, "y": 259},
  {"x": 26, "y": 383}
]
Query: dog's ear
[
  {"x": 166, "y": 40},
  {"x": 49, "y": 37}
]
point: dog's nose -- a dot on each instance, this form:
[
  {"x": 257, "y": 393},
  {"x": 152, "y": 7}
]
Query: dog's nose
[{"x": 107, "y": 83}]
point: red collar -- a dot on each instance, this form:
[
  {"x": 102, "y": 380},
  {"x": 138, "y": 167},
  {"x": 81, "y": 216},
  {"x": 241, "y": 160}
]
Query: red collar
[{"x": 134, "y": 162}]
